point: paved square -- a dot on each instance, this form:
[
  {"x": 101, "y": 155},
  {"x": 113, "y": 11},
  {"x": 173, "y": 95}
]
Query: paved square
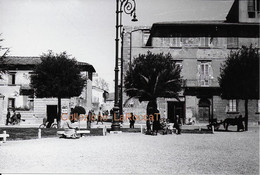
[{"x": 219, "y": 153}]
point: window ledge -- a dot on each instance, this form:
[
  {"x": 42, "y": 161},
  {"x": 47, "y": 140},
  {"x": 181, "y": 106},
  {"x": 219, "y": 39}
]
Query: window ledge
[
  {"x": 147, "y": 47},
  {"x": 175, "y": 47},
  {"x": 233, "y": 112}
]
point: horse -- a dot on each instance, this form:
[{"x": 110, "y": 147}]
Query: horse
[{"x": 234, "y": 121}]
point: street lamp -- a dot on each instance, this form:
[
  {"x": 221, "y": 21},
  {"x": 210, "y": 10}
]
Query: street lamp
[{"x": 128, "y": 7}]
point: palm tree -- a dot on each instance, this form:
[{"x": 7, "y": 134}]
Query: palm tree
[{"x": 152, "y": 76}]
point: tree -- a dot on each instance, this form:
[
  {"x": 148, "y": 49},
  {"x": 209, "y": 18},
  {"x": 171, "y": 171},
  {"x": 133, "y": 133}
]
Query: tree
[
  {"x": 101, "y": 83},
  {"x": 57, "y": 76},
  {"x": 3, "y": 53},
  {"x": 3, "y": 50},
  {"x": 152, "y": 76},
  {"x": 239, "y": 76}
]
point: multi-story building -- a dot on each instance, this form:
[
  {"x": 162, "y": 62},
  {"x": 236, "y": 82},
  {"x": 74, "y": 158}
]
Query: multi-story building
[
  {"x": 17, "y": 94},
  {"x": 199, "y": 47}
]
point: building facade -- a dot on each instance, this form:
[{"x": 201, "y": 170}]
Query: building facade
[
  {"x": 199, "y": 48},
  {"x": 17, "y": 94}
]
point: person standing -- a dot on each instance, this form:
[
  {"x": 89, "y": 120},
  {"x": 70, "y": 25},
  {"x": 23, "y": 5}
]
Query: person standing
[
  {"x": 99, "y": 117},
  {"x": 177, "y": 124},
  {"x": 156, "y": 121},
  {"x": 132, "y": 120},
  {"x": 8, "y": 117},
  {"x": 89, "y": 118}
]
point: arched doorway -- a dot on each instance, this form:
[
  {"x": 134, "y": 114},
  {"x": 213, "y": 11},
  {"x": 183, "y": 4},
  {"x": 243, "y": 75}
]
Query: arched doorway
[{"x": 204, "y": 110}]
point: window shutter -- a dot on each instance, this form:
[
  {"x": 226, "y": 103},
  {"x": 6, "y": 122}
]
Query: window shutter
[
  {"x": 251, "y": 6},
  {"x": 199, "y": 71},
  {"x": 210, "y": 71}
]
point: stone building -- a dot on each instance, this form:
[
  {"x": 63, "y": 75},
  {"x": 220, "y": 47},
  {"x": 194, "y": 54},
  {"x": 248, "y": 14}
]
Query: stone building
[
  {"x": 199, "y": 47},
  {"x": 17, "y": 94}
]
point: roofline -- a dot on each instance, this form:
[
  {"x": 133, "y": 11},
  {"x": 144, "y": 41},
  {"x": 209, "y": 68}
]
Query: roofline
[
  {"x": 82, "y": 65},
  {"x": 203, "y": 29}
]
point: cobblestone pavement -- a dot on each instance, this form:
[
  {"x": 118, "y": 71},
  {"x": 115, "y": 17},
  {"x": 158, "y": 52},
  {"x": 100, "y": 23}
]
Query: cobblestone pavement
[{"x": 219, "y": 153}]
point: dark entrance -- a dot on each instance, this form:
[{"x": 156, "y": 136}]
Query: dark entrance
[
  {"x": 51, "y": 113},
  {"x": 204, "y": 110},
  {"x": 176, "y": 108}
]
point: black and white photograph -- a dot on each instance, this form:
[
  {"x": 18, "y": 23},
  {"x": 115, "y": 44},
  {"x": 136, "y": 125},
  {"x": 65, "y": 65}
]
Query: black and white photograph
[{"x": 122, "y": 87}]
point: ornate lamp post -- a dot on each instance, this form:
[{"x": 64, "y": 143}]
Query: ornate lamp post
[{"x": 128, "y": 7}]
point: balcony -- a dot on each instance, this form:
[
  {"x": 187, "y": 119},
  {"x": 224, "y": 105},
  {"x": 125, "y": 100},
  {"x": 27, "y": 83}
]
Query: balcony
[{"x": 200, "y": 83}]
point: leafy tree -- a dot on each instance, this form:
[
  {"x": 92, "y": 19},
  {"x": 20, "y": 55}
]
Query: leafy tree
[
  {"x": 57, "y": 76},
  {"x": 152, "y": 76},
  {"x": 239, "y": 76}
]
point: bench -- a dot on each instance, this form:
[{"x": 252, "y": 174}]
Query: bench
[
  {"x": 4, "y": 136},
  {"x": 81, "y": 132}
]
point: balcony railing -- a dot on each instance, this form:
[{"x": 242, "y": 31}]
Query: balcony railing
[{"x": 199, "y": 83}]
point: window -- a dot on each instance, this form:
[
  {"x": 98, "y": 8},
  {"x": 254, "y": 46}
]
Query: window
[
  {"x": 205, "y": 73},
  {"x": 11, "y": 78},
  {"x": 175, "y": 42},
  {"x": 232, "y": 106},
  {"x": 190, "y": 41},
  {"x": 253, "y": 7},
  {"x": 232, "y": 42},
  {"x": 204, "y": 42},
  {"x": 145, "y": 38},
  {"x": 11, "y": 103}
]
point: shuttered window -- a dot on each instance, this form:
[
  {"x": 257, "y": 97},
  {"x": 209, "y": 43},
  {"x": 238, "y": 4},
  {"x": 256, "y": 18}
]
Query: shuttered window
[
  {"x": 205, "y": 73},
  {"x": 175, "y": 42},
  {"x": 145, "y": 38},
  {"x": 232, "y": 42},
  {"x": 232, "y": 107},
  {"x": 253, "y": 7}
]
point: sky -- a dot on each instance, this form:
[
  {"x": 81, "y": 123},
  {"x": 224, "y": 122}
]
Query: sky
[{"x": 85, "y": 29}]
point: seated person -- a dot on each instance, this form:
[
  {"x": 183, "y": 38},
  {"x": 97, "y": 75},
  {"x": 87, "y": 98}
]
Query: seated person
[
  {"x": 69, "y": 129},
  {"x": 164, "y": 126}
]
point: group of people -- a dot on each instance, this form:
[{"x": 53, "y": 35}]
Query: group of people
[
  {"x": 159, "y": 124},
  {"x": 13, "y": 119}
]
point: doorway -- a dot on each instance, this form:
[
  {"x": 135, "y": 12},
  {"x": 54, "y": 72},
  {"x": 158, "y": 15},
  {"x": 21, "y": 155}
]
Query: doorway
[
  {"x": 176, "y": 108},
  {"x": 51, "y": 113},
  {"x": 204, "y": 110}
]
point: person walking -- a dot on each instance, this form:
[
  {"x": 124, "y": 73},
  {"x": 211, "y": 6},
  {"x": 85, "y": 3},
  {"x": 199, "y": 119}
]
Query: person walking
[{"x": 7, "y": 117}]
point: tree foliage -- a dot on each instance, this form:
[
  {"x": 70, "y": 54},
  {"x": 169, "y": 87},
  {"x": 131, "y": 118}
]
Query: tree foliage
[
  {"x": 152, "y": 76},
  {"x": 57, "y": 76},
  {"x": 239, "y": 75}
]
